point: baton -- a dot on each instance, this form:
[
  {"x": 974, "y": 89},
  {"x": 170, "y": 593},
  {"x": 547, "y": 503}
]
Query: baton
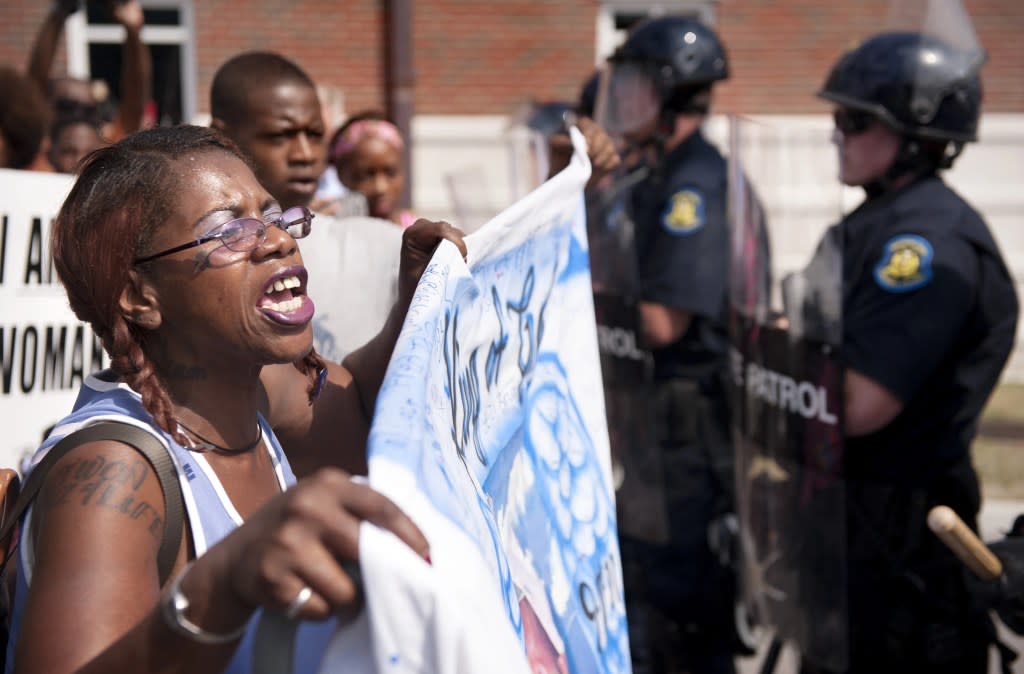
[{"x": 964, "y": 543}]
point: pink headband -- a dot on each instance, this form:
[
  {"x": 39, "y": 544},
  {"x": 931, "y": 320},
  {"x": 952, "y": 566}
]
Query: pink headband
[{"x": 363, "y": 129}]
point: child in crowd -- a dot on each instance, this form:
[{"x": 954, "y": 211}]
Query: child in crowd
[{"x": 366, "y": 151}]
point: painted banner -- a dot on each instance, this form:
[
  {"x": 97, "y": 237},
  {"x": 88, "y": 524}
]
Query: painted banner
[
  {"x": 45, "y": 351},
  {"x": 490, "y": 433}
]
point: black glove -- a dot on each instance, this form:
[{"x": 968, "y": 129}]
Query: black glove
[
  {"x": 724, "y": 539},
  {"x": 1018, "y": 527},
  {"x": 1004, "y": 595}
]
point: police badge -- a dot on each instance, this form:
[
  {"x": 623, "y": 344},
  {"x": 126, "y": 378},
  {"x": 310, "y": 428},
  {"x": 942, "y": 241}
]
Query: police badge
[
  {"x": 684, "y": 213},
  {"x": 905, "y": 265}
]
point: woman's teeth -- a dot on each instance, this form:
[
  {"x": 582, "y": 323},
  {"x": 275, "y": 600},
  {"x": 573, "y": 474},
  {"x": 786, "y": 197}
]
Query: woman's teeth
[
  {"x": 285, "y": 306},
  {"x": 284, "y": 284}
]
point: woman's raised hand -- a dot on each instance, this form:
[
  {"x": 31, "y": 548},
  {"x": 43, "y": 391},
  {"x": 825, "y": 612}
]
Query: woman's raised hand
[{"x": 418, "y": 244}]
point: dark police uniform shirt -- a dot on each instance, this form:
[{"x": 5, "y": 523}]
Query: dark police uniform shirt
[
  {"x": 682, "y": 247},
  {"x": 929, "y": 312},
  {"x": 683, "y": 251}
]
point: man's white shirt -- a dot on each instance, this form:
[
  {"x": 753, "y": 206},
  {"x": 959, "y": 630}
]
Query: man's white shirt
[{"x": 353, "y": 280}]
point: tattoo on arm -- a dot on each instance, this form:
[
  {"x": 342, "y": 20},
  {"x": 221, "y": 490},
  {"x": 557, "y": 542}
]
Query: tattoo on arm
[{"x": 109, "y": 483}]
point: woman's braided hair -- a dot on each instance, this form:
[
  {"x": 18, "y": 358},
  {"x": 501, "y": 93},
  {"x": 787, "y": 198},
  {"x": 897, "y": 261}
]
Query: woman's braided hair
[{"x": 124, "y": 192}]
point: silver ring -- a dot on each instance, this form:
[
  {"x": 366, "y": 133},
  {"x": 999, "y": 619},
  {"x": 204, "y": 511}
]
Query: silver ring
[{"x": 301, "y": 599}]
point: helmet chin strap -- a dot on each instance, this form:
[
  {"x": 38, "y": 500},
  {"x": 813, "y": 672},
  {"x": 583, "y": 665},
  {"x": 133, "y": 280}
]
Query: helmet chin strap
[
  {"x": 910, "y": 164},
  {"x": 666, "y": 129},
  {"x": 662, "y": 133}
]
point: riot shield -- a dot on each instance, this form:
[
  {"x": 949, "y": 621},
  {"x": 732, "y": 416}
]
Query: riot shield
[
  {"x": 527, "y": 139},
  {"x": 626, "y": 366},
  {"x": 785, "y": 331}
]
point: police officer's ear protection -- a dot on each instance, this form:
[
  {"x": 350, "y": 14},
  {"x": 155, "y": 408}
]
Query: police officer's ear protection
[
  {"x": 950, "y": 152},
  {"x": 929, "y": 155},
  {"x": 925, "y": 155},
  {"x": 917, "y": 156}
]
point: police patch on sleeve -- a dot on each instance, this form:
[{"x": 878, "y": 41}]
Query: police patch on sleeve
[
  {"x": 684, "y": 213},
  {"x": 905, "y": 265}
]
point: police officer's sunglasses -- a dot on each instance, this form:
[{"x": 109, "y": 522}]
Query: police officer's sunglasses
[
  {"x": 851, "y": 122},
  {"x": 244, "y": 234}
]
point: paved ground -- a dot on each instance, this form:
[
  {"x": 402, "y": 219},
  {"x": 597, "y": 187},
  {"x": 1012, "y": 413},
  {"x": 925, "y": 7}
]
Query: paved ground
[{"x": 996, "y": 517}]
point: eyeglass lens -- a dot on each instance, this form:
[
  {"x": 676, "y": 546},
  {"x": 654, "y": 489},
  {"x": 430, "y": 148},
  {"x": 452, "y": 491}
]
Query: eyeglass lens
[
  {"x": 852, "y": 121},
  {"x": 244, "y": 234}
]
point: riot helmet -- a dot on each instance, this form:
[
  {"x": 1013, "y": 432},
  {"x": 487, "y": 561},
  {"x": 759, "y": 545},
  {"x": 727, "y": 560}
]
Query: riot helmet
[
  {"x": 665, "y": 67},
  {"x": 548, "y": 117},
  {"x": 682, "y": 51},
  {"x": 919, "y": 85}
]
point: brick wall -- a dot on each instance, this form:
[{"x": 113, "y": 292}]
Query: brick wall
[
  {"x": 1000, "y": 26},
  {"x": 337, "y": 43},
  {"x": 781, "y": 51},
  {"x": 486, "y": 56},
  {"x": 19, "y": 22},
  {"x": 470, "y": 57}
]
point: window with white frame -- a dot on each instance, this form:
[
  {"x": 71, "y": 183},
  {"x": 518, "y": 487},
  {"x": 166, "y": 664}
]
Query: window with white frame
[{"x": 94, "y": 51}]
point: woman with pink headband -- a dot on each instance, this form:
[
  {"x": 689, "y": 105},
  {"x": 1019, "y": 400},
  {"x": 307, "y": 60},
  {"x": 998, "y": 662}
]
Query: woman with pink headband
[{"x": 367, "y": 153}]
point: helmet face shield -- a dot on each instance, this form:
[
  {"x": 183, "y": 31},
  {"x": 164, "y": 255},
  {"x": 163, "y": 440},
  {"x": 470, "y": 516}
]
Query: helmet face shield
[
  {"x": 628, "y": 101},
  {"x": 664, "y": 62},
  {"x": 528, "y": 136},
  {"x": 944, "y": 20},
  {"x": 949, "y": 55},
  {"x": 920, "y": 76}
]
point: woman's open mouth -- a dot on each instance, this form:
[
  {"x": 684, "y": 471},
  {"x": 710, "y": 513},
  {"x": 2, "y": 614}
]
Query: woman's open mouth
[{"x": 284, "y": 298}]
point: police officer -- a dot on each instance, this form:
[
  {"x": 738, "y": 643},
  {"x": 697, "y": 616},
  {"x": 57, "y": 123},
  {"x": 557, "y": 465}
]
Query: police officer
[
  {"x": 679, "y": 596},
  {"x": 929, "y": 314}
]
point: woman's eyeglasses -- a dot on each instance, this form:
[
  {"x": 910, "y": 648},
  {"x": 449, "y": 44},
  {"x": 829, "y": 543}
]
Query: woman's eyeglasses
[
  {"x": 851, "y": 122},
  {"x": 245, "y": 234}
]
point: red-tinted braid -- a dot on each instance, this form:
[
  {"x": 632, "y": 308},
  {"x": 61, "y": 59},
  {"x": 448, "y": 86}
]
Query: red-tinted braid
[{"x": 311, "y": 366}]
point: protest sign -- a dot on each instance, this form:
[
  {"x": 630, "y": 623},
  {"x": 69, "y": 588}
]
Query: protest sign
[
  {"x": 490, "y": 433},
  {"x": 45, "y": 351}
]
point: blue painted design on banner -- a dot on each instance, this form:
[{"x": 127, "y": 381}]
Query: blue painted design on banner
[
  {"x": 564, "y": 521},
  {"x": 528, "y": 487},
  {"x": 579, "y": 261}
]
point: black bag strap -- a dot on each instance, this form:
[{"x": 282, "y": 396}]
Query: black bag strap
[
  {"x": 157, "y": 455},
  {"x": 273, "y": 648}
]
